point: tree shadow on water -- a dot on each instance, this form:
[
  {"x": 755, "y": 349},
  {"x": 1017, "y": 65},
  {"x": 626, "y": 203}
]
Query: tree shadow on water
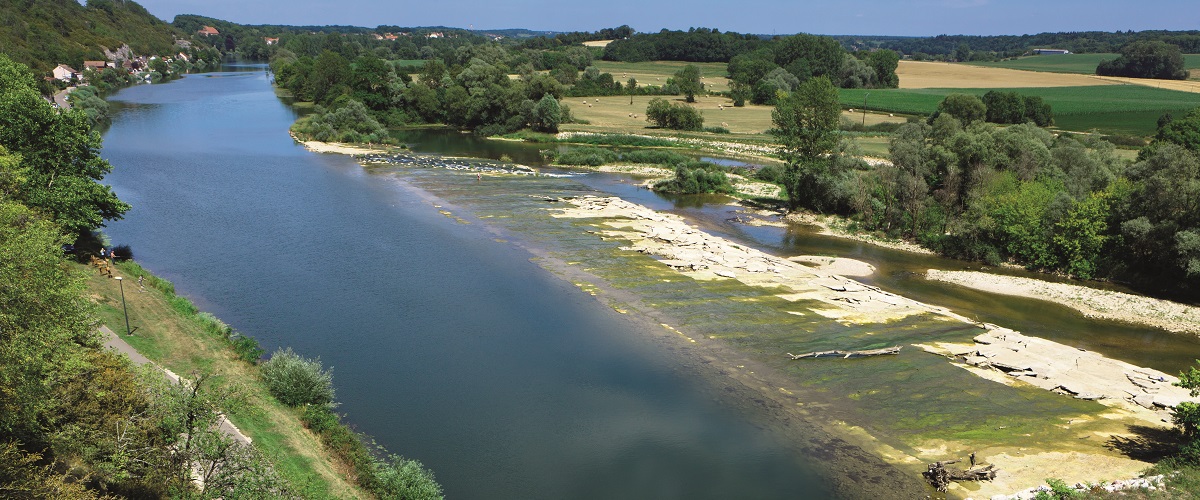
[{"x": 1147, "y": 443}]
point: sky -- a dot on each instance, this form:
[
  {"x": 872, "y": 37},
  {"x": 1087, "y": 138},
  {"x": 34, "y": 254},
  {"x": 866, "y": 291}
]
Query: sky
[{"x": 826, "y": 17}]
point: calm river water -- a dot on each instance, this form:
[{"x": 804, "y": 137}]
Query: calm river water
[
  {"x": 452, "y": 344},
  {"x": 446, "y": 346}
]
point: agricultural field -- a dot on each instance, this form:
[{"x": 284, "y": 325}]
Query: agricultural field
[
  {"x": 1069, "y": 63},
  {"x": 1126, "y": 109},
  {"x": 615, "y": 114},
  {"x": 657, "y": 72},
  {"x": 927, "y": 75}
]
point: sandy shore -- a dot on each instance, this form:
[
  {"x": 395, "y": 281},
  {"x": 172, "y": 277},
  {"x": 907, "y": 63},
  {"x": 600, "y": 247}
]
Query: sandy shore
[
  {"x": 340, "y": 148},
  {"x": 836, "y": 265},
  {"x": 707, "y": 257},
  {"x": 1171, "y": 316},
  {"x": 1133, "y": 394},
  {"x": 835, "y": 226}
]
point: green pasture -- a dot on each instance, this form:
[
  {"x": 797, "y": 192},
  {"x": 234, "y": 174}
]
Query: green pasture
[
  {"x": 1069, "y": 63},
  {"x": 1128, "y": 109}
]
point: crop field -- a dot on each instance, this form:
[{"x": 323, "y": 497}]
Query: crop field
[
  {"x": 615, "y": 114},
  {"x": 657, "y": 72},
  {"x": 1069, "y": 63},
  {"x": 1131, "y": 109},
  {"x": 926, "y": 75}
]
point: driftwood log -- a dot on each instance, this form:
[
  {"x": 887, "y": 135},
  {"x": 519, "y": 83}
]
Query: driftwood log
[
  {"x": 940, "y": 476},
  {"x": 847, "y": 354}
]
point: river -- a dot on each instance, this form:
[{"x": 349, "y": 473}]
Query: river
[
  {"x": 454, "y": 314},
  {"x": 446, "y": 346}
]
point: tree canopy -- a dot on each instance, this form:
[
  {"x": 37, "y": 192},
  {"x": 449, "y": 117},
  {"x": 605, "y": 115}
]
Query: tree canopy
[
  {"x": 1147, "y": 59},
  {"x": 60, "y": 155}
]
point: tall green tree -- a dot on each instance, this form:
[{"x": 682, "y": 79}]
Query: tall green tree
[
  {"x": 60, "y": 155},
  {"x": 806, "y": 123},
  {"x": 1147, "y": 59},
  {"x": 688, "y": 81}
]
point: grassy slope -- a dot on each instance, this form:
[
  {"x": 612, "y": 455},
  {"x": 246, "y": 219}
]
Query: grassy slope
[
  {"x": 1111, "y": 108},
  {"x": 178, "y": 343}
]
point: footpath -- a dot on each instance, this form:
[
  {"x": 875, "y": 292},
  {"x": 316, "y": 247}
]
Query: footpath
[{"x": 115, "y": 343}]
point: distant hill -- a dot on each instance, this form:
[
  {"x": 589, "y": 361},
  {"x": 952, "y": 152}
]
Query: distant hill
[{"x": 45, "y": 33}]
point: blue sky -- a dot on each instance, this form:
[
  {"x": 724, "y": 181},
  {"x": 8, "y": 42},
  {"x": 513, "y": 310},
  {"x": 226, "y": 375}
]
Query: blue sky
[{"x": 871, "y": 17}]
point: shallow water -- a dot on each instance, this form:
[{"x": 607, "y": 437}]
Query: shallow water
[
  {"x": 452, "y": 344},
  {"x": 447, "y": 346}
]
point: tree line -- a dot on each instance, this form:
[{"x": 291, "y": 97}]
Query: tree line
[
  {"x": 948, "y": 46},
  {"x": 971, "y": 189}
]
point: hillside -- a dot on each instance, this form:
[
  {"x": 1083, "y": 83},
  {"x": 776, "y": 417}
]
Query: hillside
[{"x": 45, "y": 33}]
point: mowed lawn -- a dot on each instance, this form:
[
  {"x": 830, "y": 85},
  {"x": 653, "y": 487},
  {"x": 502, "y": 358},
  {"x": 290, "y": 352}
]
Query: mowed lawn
[
  {"x": 657, "y": 72},
  {"x": 1070, "y": 63},
  {"x": 1131, "y": 109}
]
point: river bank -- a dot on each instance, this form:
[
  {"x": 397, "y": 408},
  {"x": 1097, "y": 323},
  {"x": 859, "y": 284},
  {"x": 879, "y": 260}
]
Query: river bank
[
  {"x": 178, "y": 342},
  {"x": 704, "y": 258},
  {"x": 1092, "y": 302}
]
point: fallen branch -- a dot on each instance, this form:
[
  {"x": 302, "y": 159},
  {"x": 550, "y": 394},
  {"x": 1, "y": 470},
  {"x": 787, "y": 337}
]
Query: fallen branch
[
  {"x": 940, "y": 477},
  {"x": 847, "y": 354}
]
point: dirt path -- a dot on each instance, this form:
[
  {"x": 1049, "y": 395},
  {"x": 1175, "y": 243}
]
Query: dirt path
[{"x": 114, "y": 342}]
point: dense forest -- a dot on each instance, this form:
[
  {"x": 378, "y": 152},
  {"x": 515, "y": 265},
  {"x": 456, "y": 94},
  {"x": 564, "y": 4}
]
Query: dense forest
[{"x": 45, "y": 33}]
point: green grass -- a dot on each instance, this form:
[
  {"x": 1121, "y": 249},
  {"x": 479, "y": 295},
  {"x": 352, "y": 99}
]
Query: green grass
[
  {"x": 1130, "y": 109},
  {"x": 1069, "y": 63},
  {"x": 170, "y": 334}
]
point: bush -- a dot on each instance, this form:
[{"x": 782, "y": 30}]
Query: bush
[
  {"x": 695, "y": 178},
  {"x": 408, "y": 479},
  {"x": 674, "y": 116},
  {"x": 592, "y": 157},
  {"x": 122, "y": 252},
  {"x": 297, "y": 381},
  {"x": 716, "y": 130}
]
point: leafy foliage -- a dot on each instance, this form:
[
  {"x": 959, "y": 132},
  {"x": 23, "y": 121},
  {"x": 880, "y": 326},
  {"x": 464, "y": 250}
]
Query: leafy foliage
[
  {"x": 675, "y": 116},
  {"x": 297, "y": 381},
  {"x": 60, "y": 155},
  {"x": 1146, "y": 59},
  {"x": 43, "y": 34},
  {"x": 696, "y": 178}
]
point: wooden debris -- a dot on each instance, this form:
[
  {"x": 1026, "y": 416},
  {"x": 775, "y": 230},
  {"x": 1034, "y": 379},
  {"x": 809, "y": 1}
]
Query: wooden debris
[
  {"x": 847, "y": 354},
  {"x": 940, "y": 476}
]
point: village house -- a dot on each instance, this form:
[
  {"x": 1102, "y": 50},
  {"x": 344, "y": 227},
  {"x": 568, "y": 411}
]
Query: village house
[
  {"x": 95, "y": 65},
  {"x": 436, "y": 34},
  {"x": 64, "y": 73},
  {"x": 391, "y": 37},
  {"x": 270, "y": 41},
  {"x": 208, "y": 31}
]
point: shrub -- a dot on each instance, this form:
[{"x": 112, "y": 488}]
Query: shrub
[
  {"x": 694, "y": 178},
  {"x": 592, "y": 157},
  {"x": 247, "y": 348},
  {"x": 122, "y": 252},
  {"x": 295, "y": 381},
  {"x": 408, "y": 479},
  {"x": 716, "y": 130},
  {"x": 673, "y": 115}
]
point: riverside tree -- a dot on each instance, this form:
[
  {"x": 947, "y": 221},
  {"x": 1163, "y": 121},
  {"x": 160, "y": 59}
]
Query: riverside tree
[
  {"x": 60, "y": 155},
  {"x": 806, "y": 123}
]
